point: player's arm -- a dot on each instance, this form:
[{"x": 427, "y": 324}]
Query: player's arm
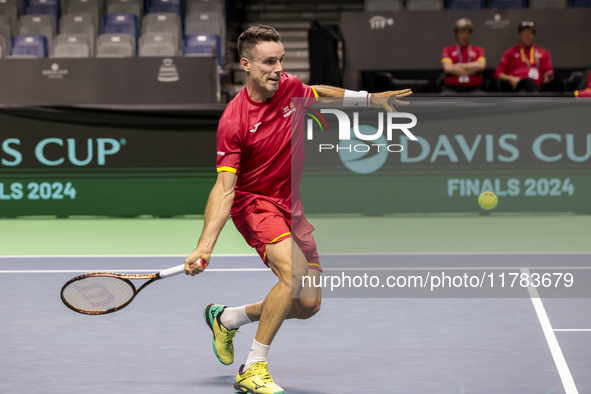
[
  {"x": 216, "y": 214},
  {"x": 384, "y": 100},
  {"x": 474, "y": 67}
]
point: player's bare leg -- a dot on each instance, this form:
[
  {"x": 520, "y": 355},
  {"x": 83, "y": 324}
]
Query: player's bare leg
[{"x": 304, "y": 307}]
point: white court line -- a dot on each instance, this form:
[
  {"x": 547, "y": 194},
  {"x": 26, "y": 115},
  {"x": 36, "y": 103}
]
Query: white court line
[
  {"x": 567, "y": 379},
  {"x": 572, "y": 329},
  {"x": 151, "y": 270},
  {"x": 321, "y": 254},
  {"x": 123, "y": 271}
]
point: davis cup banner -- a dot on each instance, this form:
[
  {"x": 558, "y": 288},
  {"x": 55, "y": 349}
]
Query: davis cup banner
[{"x": 439, "y": 154}]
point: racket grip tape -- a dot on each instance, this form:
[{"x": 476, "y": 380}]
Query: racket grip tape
[{"x": 177, "y": 270}]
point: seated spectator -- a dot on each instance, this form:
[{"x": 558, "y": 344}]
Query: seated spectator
[
  {"x": 463, "y": 63},
  {"x": 585, "y": 92},
  {"x": 526, "y": 66}
]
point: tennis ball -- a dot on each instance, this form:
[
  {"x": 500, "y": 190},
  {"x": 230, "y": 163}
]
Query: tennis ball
[{"x": 488, "y": 200}]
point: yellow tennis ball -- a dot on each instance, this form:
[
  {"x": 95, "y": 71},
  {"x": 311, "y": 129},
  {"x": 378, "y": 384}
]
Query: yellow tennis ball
[{"x": 488, "y": 200}]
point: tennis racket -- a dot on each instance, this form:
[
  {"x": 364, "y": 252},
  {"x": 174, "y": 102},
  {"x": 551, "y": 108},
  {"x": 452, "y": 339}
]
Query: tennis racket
[{"x": 98, "y": 293}]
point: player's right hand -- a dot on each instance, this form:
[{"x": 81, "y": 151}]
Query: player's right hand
[{"x": 196, "y": 263}]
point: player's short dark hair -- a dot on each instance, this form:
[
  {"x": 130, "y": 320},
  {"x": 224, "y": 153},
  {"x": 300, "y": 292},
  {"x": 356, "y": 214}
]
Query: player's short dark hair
[
  {"x": 253, "y": 35},
  {"x": 526, "y": 25}
]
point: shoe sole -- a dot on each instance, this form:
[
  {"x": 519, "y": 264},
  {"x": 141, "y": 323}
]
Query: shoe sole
[
  {"x": 240, "y": 389},
  {"x": 215, "y": 351}
]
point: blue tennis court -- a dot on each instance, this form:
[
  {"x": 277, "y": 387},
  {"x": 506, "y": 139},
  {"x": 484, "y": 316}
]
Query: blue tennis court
[{"x": 160, "y": 344}]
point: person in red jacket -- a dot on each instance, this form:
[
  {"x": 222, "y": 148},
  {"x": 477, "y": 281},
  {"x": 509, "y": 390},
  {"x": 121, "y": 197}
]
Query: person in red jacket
[
  {"x": 585, "y": 92},
  {"x": 526, "y": 66},
  {"x": 462, "y": 62}
]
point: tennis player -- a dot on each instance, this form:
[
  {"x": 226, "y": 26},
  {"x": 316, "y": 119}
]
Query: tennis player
[{"x": 254, "y": 186}]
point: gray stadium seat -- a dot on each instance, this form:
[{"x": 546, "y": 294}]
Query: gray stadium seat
[
  {"x": 5, "y": 30},
  {"x": 2, "y": 47},
  {"x": 80, "y": 24},
  {"x": 205, "y": 5},
  {"x": 383, "y": 5},
  {"x": 71, "y": 46},
  {"x": 164, "y": 23},
  {"x": 424, "y": 5},
  {"x": 125, "y": 7},
  {"x": 93, "y": 7},
  {"x": 38, "y": 24},
  {"x": 115, "y": 45},
  {"x": 11, "y": 13},
  {"x": 158, "y": 44},
  {"x": 541, "y": 4},
  {"x": 207, "y": 22}
]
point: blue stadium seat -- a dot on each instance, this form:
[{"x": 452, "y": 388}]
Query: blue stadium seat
[
  {"x": 121, "y": 24},
  {"x": 581, "y": 3},
  {"x": 172, "y": 6},
  {"x": 28, "y": 46},
  {"x": 465, "y": 4},
  {"x": 203, "y": 44},
  {"x": 42, "y": 7},
  {"x": 501, "y": 4}
]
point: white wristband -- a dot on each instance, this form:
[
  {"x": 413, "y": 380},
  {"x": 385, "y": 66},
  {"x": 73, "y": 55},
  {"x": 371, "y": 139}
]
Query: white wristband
[{"x": 356, "y": 99}]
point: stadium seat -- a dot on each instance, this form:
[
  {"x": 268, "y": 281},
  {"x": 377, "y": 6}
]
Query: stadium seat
[
  {"x": 465, "y": 4},
  {"x": 115, "y": 45},
  {"x": 164, "y": 23},
  {"x": 2, "y": 46},
  {"x": 503, "y": 4},
  {"x": 80, "y": 24},
  {"x": 205, "y": 5},
  {"x": 202, "y": 44},
  {"x": 581, "y": 3},
  {"x": 208, "y": 23},
  {"x": 5, "y": 30},
  {"x": 164, "y": 6},
  {"x": 424, "y": 5},
  {"x": 93, "y": 7},
  {"x": 43, "y": 7},
  {"x": 125, "y": 7},
  {"x": 37, "y": 25},
  {"x": 71, "y": 46},
  {"x": 121, "y": 24},
  {"x": 383, "y": 5},
  {"x": 11, "y": 13},
  {"x": 28, "y": 46},
  {"x": 157, "y": 44},
  {"x": 541, "y": 4}
]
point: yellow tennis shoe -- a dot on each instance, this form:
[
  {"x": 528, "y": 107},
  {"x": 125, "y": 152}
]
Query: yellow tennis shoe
[
  {"x": 256, "y": 380},
  {"x": 223, "y": 339}
]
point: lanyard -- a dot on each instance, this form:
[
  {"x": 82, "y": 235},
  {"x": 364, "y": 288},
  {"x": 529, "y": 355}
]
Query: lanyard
[
  {"x": 460, "y": 57},
  {"x": 533, "y": 54}
]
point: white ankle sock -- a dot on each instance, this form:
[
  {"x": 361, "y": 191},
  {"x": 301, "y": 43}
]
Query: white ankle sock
[
  {"x": 233, "y": 318},
  {"x": 258, "y": 352}
]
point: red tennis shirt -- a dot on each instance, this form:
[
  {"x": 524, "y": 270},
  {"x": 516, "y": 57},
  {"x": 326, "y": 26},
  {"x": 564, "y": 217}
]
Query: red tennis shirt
[
  {"x": 520, "y": 61},
  {"x": 467, "y": 54},
  {"x": 254, "y": 141}
]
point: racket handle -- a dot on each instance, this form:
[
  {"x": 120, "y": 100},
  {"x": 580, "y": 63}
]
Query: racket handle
[{"x": 177, "y": 270}]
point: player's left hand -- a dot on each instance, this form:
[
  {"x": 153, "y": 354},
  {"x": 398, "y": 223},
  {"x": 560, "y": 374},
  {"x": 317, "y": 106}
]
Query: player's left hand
[{"x": 388, "y": 100}]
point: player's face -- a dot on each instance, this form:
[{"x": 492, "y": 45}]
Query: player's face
[
  {"x": 266, "y": 65},
  {"x": 526, "y": 37},
  {"x": 463, "y": 37}
]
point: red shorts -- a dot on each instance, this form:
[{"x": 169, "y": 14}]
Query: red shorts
[{"x": 262, "y": 223}]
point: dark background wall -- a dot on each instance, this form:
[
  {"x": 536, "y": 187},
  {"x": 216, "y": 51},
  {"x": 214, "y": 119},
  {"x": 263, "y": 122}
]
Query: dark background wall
[{"x": 415, "y": 38}]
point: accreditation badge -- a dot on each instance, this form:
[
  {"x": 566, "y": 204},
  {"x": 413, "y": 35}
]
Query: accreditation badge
[
  {"x": 464, "y": 79},
  {"x": 534, "y": 73}
]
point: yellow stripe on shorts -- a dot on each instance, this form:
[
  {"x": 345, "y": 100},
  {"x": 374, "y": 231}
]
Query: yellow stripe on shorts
[{"x": 282, "y": 235}]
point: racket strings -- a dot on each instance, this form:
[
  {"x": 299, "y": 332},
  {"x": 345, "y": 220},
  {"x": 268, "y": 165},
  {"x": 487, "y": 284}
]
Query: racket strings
[{"x": 98, "y": 293}]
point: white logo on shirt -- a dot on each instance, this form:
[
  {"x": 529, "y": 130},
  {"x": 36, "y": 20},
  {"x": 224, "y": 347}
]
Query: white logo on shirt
[
  {"x": 256, "y": 126},
  {"x": 220, "y": 153}
]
